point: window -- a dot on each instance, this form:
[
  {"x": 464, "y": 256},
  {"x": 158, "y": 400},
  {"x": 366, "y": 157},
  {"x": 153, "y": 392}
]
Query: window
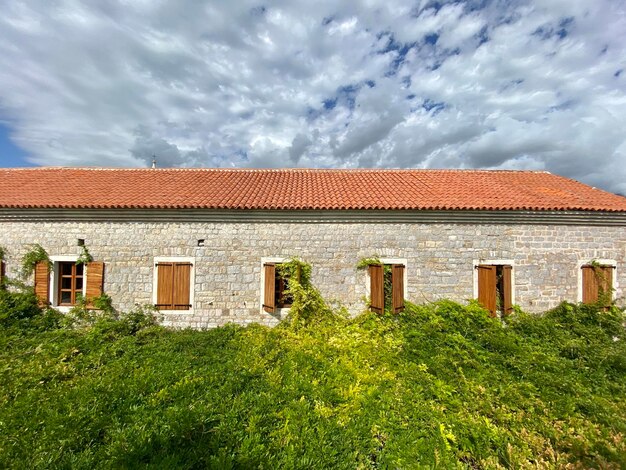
[
  {"x": 274, "y": 286},
  {"x": 387, "y": 287},
  {"x": 494, "y": 286},
  {"x": 70, "y": 283},
  {"x": 596, "y": 282},
  {"x": 66, "y": 282},
  {"x": 173, "y": 286}
]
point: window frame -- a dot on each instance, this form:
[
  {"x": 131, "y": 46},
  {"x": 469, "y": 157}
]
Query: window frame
[
  {"x": 73, "y": 276},
  {"x": 55, "y": 278},
  {"x": 268, "y": 260},
  {"x": 493, "y": 262},
  {"x": 390, "y": 262},
  {"x": 609, "y": 263},
  {"x": 192, "y": 280}
]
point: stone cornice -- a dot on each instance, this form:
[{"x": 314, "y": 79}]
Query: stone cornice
[{"x": 317, "y": 216}]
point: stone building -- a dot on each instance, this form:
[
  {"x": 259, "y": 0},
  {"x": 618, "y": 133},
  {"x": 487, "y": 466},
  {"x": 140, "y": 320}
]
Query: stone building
[{"x": 203, "y": 244}]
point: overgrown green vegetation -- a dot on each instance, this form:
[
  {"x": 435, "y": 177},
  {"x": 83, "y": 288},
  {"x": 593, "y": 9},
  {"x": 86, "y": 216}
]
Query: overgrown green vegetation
[
  {"x": 440, "y": 385},
  {"x": 365, "y": 263},
  {"x": 84, "y": 257},
  {"x": 34, "y": 255}
]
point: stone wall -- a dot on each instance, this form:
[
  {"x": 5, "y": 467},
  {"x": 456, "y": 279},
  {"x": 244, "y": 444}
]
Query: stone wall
[{"x": 439, "y": 258}]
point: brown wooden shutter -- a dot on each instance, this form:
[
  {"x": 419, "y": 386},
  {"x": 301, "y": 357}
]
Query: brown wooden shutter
[
  {"x": 269, "y": 288},
  {"x": 173, "y": 286},
  {"x": 95, "y": 281},
  {"x": 42, "y": 282},
  {"x": 590, "y": 285},
  {"x": 181, "y": 287},
  {"x": 397, "y": 287},
  {"x": 487, "y": 287},
  {"x": 507, "y": 290},
  {"x": 606, "y": 284},
  {"x": 165, "y": 284},
  {"x": 377, "y": 288},
  {"x": 2, "y": 272},
  {"x": 597, "y": 281}
]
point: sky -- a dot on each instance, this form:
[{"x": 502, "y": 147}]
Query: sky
[{"x": 537, "y": 85}]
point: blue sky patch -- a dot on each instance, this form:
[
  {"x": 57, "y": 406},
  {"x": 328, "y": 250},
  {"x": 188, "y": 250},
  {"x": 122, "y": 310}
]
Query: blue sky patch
[
  {"x": 482, "y": 36},
  {"x": 435, "y": 106},
  {"x": 330, "y": 104},
  {"x": 548, "y": 31},
  {"x": 399, "y": 48},
  {"x": 10, "y": 154},
  {"x": 431, "y": 39}
]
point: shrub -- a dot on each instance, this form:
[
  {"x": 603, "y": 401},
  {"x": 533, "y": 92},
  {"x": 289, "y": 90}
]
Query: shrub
[
  {"x": 19, "y": 309},
  {"x": 439, "y": 385}
]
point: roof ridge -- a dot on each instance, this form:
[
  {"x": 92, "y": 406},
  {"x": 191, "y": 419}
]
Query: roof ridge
[{"x": 276, "y": 170}]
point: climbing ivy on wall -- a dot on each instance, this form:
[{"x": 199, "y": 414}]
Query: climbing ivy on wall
[
  {"x": 34, "y": 255},
  {"x": 84, "y": 257},
  {"x": 364, "y": 263},
  {"x": 308, "y": 305}
]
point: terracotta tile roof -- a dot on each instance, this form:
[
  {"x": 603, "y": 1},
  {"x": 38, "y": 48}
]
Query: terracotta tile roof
[{"x": 95, "y": 188}]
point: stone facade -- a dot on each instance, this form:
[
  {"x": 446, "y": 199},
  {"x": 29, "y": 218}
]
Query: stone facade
[{"x": 439, "y": 259}]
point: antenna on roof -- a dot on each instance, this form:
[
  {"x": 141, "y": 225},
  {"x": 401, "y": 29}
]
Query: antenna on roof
[{"x": 153, "y": 161}]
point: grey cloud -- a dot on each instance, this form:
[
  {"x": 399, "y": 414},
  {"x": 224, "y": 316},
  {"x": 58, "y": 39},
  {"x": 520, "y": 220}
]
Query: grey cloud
[
  {"x": 367, "y": 133},
  {"x": 299, "y": 145}
]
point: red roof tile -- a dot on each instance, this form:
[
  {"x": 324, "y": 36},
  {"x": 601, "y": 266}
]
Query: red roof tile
[{"x": 95, "y": 188}]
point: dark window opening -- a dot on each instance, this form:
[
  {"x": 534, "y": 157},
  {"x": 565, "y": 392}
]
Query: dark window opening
[
  {"x": 276, "y": 288},
  {"x": 495, "y": 288},
  {"x": 70, "y": 283},
  {"x": 386, "y": 288},
  {"x": 281, "y": 287}
]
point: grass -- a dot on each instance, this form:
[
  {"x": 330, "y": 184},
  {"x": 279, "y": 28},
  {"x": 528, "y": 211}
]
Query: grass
[{"x": 440, "y": 385}]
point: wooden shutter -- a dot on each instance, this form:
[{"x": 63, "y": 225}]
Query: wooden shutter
[
  {"x": 377, "y": 288},
  {"x": 173, "y": 286},
  {"x": 507, "y": 290},
  {"x": 269, "y": 288},
  {"x": 605, "y": 284},
  {"x": 165, "y": 284},
  {"x": 487, "y": 287},
  {"x": 590, "y": 285},
  {"x": 42, "y": 282},
  {"x": 397, "y": 287},
  {"x": 2, "y": 272},
  {"x": 597, "y": 280},
  {"x": 181, "y": 287},
  {"x": 95, "y": 281}
]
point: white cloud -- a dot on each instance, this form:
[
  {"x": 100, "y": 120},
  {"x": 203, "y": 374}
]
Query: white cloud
[{"x": 497, "y": 84}]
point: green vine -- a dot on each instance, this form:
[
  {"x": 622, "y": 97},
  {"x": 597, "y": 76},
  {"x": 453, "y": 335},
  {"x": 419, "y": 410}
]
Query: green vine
[
  {"x": 605, "y": 297},
  {"x": 375, "y": 260},
  {"x": 366, "y": 262},
  {"x": 34, "y": 255},
  {"x": 84, "y": 257},
  {"x": 308, "y": 305},
  {"x": 2, "y": 253}
]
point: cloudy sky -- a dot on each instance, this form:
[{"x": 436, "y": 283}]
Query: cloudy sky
[{"x": 425, "y": 84}]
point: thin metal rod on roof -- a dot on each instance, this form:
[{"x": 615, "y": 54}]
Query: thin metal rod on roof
[{"x": 153, "y": 161}]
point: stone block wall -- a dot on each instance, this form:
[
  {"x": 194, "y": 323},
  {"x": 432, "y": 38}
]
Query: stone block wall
[{"x": 228, "y": 267}]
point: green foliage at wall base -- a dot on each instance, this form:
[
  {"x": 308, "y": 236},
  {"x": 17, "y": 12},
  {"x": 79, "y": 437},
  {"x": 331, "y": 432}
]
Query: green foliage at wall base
[{"x": 440, "y": 385}]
